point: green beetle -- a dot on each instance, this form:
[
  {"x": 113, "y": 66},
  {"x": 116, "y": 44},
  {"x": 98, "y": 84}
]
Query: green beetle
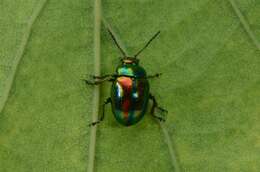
[{"x": 130, "y": 91}]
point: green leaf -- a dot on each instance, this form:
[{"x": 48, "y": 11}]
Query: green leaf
[
  {"x": 44, "y": 124},
  {"x": 210, "y": 86}
]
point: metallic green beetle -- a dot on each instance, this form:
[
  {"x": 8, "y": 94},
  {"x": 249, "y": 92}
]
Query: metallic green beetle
[{"x": 130, "y": 89}]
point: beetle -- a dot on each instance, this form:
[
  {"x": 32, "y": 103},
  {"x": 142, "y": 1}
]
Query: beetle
[{"x": 130, "y": 89}]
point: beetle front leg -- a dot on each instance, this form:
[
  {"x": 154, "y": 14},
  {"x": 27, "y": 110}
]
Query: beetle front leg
[
  {"x": 99, "y": 79},
  {"x": 154, "y": 76},
  {"x": 155, "y": 105},
  {"x": 108, "y": 100}
]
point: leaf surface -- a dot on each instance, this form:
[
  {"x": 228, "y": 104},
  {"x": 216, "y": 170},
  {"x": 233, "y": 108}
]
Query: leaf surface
[{"x": 210, "y": 86}]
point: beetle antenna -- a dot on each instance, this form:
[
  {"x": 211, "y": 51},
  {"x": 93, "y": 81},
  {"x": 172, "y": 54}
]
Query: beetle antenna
[
  {"x": 146, "y": 45},
  {"x": 114, "y": 39}
]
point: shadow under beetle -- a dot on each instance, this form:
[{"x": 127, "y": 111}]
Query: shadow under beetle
[{"x": 130, "y": 89}]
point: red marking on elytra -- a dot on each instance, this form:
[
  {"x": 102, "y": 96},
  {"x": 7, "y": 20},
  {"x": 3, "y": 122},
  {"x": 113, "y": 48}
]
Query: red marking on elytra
[
  {"x": 126, "y": 84},
  {"x": 126, "y": 107}
]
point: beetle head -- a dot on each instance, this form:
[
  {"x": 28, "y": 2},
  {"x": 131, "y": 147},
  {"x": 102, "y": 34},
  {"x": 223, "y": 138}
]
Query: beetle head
[{"x": 129, "y": 60}]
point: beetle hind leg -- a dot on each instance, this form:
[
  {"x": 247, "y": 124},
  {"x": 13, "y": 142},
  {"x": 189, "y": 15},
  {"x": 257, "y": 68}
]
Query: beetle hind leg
[
  {"x": 108, "y": 100},
  {"x": 155, "y": 106}
]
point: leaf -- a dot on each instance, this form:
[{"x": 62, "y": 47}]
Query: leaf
[
  {"x": 210, "y": 86},
  {"x": 44, "y": 124}
]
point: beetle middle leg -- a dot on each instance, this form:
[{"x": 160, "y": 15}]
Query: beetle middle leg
[
  {"x": 99, "y": 79},
  {"x": 154, "y": 76},
  {"x": 108, "y": 100},
  {"x": 155, "y": 105}
]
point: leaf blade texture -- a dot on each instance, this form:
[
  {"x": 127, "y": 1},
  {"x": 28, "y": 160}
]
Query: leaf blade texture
[{"x": 210, "y": 86}]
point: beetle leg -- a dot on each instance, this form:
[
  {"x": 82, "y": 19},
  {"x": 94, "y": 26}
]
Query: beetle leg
[
  {"x": 99, "y": 79},
  {"x": 108, "y": 100},
  {"x": 154, "y": 76},
  {"x": 155, "y": 105}
]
